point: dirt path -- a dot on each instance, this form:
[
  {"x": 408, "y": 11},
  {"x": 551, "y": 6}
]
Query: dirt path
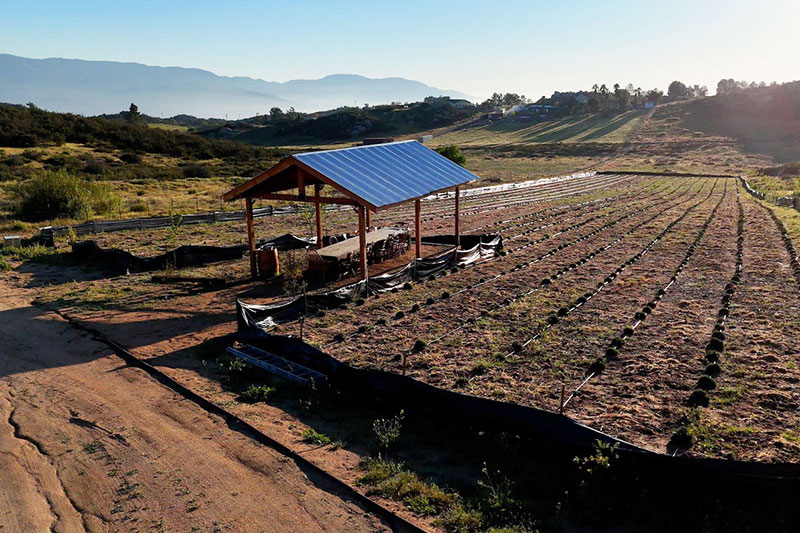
[{"x": 87, "y": 443}]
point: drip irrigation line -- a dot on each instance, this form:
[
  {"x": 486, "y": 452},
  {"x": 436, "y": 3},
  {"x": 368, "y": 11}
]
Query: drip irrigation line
[
  {"x": 715, "y": 346},
  {"x": 640, "y": 316},
  {"x": 507, "y": 301},
  {"x": 503, "y": 274}
]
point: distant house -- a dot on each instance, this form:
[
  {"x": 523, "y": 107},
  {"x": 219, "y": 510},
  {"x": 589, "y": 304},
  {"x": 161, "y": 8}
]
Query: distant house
[
  {"x": 649, "y": 105},
  {"x": 460, "y": 103},
  {"x": 426, "y": 138},
  {"x": 541, "y": 109},
  {"x": 498, "y": 114}
]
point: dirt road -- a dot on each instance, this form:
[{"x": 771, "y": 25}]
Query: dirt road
[{"x": 89, "y": 444}]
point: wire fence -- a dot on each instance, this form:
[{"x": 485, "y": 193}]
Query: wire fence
[{"x": 49, "y": 233}]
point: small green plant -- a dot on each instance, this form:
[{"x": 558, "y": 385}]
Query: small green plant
[
  {"x": 234, "y": 371},
  {"x": 597, "y": 366},
  {"x": 5, "y": 266},
  {"x": 682, "y": 438},
  {"x": 500, "y": 503},
  {"x": 387, "y": 430},
  {"x": 256, "y": 393},
  {"x": 706, "y": 383},
  {"x": 312, "y": 436},
  {"x": 698, "y": 398}
]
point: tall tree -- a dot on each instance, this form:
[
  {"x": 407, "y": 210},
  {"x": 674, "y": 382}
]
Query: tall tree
[
  {"x": 677, "y": 89},
  {"x": 133, "y": 114}
]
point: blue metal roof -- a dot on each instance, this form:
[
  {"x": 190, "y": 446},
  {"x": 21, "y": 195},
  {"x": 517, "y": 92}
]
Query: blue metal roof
[{"x": 386, "y": 174}]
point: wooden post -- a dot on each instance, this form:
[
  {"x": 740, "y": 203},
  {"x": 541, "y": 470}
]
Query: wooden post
[
  {"x": 368, "y": 222},
  {"x": 301, "y": 184},
  {"x": 251, "y": 237},
  {"x": 417, "y": 236},
  {"x": 362, "y": 241},
  {"x": 458, "y": 222},
  {"x": 318, "y": 209}
]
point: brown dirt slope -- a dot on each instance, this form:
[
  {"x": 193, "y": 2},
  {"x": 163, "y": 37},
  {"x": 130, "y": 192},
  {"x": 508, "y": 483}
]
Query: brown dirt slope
[{"x": 90, "y": 444}]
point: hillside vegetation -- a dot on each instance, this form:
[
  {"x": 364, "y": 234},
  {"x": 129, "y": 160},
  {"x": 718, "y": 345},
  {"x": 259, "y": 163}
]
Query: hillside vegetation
[
  {"x": 748, "y": 130},
  {"x": 343, "y": 124},
  {"x": 120, "y": 168}
]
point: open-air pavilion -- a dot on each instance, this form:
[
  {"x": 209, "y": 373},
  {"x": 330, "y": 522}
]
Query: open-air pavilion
[{"x": 370, "y": 178}]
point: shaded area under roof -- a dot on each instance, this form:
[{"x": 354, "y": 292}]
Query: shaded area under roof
[{"x": 378, "y": 175}]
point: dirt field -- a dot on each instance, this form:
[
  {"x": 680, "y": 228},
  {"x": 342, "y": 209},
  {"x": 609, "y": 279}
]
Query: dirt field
[
  {"x": 585, "y": 258},
  {"x": 91, "y": 444}
]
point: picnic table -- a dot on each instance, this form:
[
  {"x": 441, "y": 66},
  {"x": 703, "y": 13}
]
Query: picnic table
[{"x": 342, "y": 257}]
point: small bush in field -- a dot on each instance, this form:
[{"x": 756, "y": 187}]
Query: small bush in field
[
  {"x": 712, "y": 370},
  {"x": 698, "y": 398},
  {"x": 597, "y": 366},
  {"x": 682, "y": 438},
  {"x": 387, "y": 430},
  {"x": 312, "y": 436},
  {"x": 63, "y": 195},
  {"x": 256, "y": 393},
  {"x": 706, "y": 383}
]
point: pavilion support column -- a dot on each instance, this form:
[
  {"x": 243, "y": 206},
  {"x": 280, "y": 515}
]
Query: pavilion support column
[
  {"x": 368, "y": 222},
  {"x": 251, "y": 237},
  {"x": 458, "y": 221},
  {"x": 417, "y": 236},
  {"x": 318, "y": 210},
  {"x": 362, "y": 241}
]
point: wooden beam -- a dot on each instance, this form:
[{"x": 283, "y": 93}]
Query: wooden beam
[
  {"x": 318, "y": 210},
  {"x": 313, "y": 199},
  {"x": 301, "y": 183},
  {"x": 362, "y": 241},
  {"x": 417, "y": 236},
  {"x": 251, "y": 237},
  {"x": 458, "y": 221}
]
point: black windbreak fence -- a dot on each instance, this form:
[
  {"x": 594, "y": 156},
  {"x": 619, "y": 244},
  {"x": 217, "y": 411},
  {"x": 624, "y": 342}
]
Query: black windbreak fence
[
  {"x": 254, "y": 321},
  {"x": 122, "y": 261},
  {"x": 267, "y": 316},
  {"x": 483, "y": 413}
]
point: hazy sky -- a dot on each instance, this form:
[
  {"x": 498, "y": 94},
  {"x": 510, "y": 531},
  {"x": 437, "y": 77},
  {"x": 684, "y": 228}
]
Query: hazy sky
[{"x": 528, "y": 47}]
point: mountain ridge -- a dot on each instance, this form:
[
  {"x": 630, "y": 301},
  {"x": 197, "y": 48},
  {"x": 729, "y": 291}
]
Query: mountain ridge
[{"x": 97, "y": 87}]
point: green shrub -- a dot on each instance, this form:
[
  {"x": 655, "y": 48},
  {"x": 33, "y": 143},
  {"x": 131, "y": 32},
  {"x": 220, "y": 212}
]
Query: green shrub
[
  {"x": 36, "y": 253},
  {"x": 682, "y": 438},
  {"x": 387, "y": 430},
  {"x": 706, "y": 383},
  {"x": 453, "y": 153},
  {"x": 698, "y": 398},
  {"x": 5, "y": 266},
  {"x": 196, "y": 171},
  {"x": 597, "y": 366},
  {"x": 256, "y": 393},
  {"x": 712, "y": 369},
  {"x": 62, "y": 195},
  {"x": 312, "y": 436}
]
